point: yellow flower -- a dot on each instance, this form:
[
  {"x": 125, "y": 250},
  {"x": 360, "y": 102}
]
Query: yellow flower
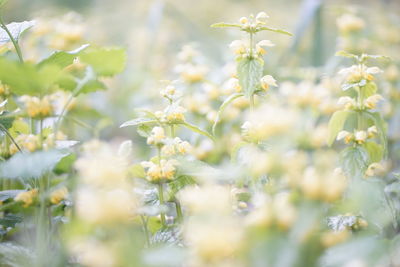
[
  {"x": 231, "y": 86},
  {"x": 360, "y": 136},
  {"x": 372, "y": 131},
  {"x": 348, "y": 137},
  {"x": 157, "y": 136},
  {"x": 58, "y": 195},
  {"x": 238, "y": 47},
  {"x": 268, "y": 81},
  {"x": 27, "y": 197},
  {"x": 349, "y": 23},
  {"x": 371, "y": 101},
  {"x": 375, "y": 169},
  {"x": 36, "y": 107},
  {"x": 175, "y": 113},
  {"x": 261, "y": 44},
  {"x": 243, "y": 20},
  {"x": 332, "y": 238},
  {"x": 164, "y": 170},
  {"x": 347, "y": 102},
  {"x": 28, "y": 142}
]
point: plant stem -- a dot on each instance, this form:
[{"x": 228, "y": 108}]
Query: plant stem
[
  {"x": 252, "y": 103},
  {"x": 41, "y": 133},
  {"x": 146, "y": 231},
  {"x": 161, "y": 198},
  {"x": 178, "y": 211},
  {"x": 15, "y": 43},
  {"x": 10, "y": 136}
]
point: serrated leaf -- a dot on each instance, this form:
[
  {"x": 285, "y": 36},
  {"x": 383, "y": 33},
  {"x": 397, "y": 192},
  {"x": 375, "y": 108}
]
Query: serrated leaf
[
  {"x": 31, "y": 165},
  {"x": 167, "y": 235},
  {"x": 275, "y": 30},
  {"x": 336, "y": 124},
  {"x": 16, "y": 29},
  {"x": 380, "y": 125},
  {"x": 375, "y": 151},
  {"x": 249, "y": 71},
  {"x": 221, "y": 109},
  {"x": 179, "y": 183},
  {"x": 144, "y": 130},
  {"x": 341, "y": 222},
  {"x": 105, "y": 61},
  {"x": 196, "y": 129},
  {"x": 63, "y": 58},
  {"x": 225, "y": 25},
  {"x": 354, "y": 161},
  {"x": 9, "y": 194},
  {"x": 137, "y": 121}
]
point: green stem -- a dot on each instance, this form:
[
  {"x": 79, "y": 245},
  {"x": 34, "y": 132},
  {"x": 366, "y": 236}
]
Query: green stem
[
  {"x": 252, "y": 102},
  {"x": 251, "y": 44},
  {"x": 146, "y": 230},
  {"x": 15, "y": 43},
  {"x": 172, "y": 131},
  {"x": 178, "y": 211},
  {"x": 41, "y": 133},
  {"x": 10, "y": 136},
  {"x": 161, "y": 197}
]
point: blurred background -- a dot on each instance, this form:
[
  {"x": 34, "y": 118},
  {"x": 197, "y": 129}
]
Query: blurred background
[{"x": 154, "y": 31}]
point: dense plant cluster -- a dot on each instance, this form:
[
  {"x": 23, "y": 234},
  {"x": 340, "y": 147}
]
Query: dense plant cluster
[{"x": 239, "y": 166}]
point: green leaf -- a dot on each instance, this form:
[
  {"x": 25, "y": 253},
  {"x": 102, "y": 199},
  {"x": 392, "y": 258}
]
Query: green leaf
[
  {"x": 380, "y": 125},
  {"x": 65, "y": 164},
  {"x": 274, "y": 30},
  {"x": 336, "y": 124},
  {"x": 369, "y": 89},
  {"x": 137, "y": 171},
  {"x": 345, "y": 54},
  {"x": 249, "y": 71},
  {"x": 364, "y": 57},
  {"x": 179, "y": 183},
  {"x": 9, "y": 194},
  {"x": 225, "y": 25},
  {"x": 196, "y": 129},
  {"x": 137, "y": 121},
  {"x": 5, "y": 120},
  {"x": 27, "y": 78},
  {"x": 63, "y": 58},
  {"x": 221, "y": 109},
  {"x": 144, "y": 130},
  {"x": 92, "y": 86},
  {"x": 375, "y": 151},
  {"x": 354, "y": 161},
  {"x": 105, "y": 61},
  {"x": 31, "y": 165},
  {"x": 16, "y": 29}
]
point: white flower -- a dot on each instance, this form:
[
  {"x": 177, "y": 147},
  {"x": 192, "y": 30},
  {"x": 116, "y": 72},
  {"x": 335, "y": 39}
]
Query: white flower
[
  {"x": 371, "y": 101},
  {"x": 238, "y": 47},
  {"x": 361, "y": 136},
  {"x": 373, "y": 70},
  {"x": 268, "y": 81},
  {"x": 347, "y": 102},
  {"x": 261, "y": 17}
]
